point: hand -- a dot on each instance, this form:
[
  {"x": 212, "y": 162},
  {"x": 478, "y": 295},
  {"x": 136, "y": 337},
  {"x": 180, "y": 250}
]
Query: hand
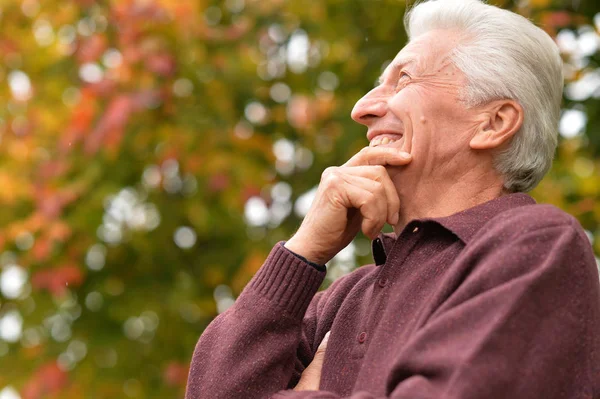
[
  {"x": 358, "y": 195},
  {"x": 311, "y": 377}
]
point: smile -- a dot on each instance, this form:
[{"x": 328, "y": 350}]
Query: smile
[{"x": 385, "y": 139}]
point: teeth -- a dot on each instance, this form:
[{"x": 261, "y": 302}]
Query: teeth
[{"x": 381, "y": 141}]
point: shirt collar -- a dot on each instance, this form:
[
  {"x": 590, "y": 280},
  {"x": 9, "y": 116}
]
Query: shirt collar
[
  {"x": 466, "y": 223},
  {"x": 463, "y": 224}
]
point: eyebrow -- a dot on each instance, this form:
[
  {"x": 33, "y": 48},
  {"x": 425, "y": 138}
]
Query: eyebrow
[{"x": 397, "y": 66}]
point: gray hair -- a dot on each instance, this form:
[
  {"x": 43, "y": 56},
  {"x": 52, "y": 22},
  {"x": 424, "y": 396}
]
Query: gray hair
[{"x": 504, "y": 56}]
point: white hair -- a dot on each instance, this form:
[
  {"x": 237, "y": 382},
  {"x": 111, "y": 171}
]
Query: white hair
[{"x": 504, "y": 56}]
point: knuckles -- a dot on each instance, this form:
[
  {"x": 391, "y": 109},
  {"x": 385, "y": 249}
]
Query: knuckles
[
  {"x": 379, "y": 188},
  {"x": 380, "y": 169},
  {"x": 330, "y": 176},
  {"x": 368, "y": 198},
  {"x": 328, "y": 172}
]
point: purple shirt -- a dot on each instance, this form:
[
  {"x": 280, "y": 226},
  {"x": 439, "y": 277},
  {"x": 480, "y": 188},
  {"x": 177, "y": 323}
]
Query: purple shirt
[{"x": 498, "y": 301}]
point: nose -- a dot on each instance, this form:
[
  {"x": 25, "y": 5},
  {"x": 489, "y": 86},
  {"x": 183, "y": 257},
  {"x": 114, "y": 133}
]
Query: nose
[{"x": 369, "y": 108}]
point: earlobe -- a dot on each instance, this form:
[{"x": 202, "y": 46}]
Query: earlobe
[
  {"x": 481, "y": 140},
  {"x": 504, "y": 119}
]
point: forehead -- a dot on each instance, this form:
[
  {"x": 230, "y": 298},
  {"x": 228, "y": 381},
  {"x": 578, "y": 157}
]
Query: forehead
[{"x": 427, "y": 51}]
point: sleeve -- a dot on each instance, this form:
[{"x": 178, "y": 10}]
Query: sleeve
[
  {"x": 259, "y": 345},
  {"x": 521, "y": 321},
  {"x": 321, "y": 268}
]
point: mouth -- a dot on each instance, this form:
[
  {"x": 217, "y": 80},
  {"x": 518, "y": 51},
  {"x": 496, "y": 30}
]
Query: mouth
[{"x": 384, "y": 139}]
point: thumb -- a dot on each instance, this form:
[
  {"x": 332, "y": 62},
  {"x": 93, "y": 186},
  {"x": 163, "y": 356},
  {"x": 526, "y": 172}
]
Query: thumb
[
  {"x": 310, "y": 379},
  {"x": 322, "y": 347}
]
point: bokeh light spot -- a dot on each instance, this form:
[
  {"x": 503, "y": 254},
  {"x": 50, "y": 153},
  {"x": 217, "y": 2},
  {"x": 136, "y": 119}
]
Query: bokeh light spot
[
  {"x": 184, "y": 237},
  {"x": 8, "y": 392},
  {"x": 12, "y": 281},
  {"x": 11, "y": 326},
  {"x": 256, "y": 211},
  {"x": 91, "y": 73},
  {"x": 94, "y": 301},
  {"x": 20, "y": 85},
  {"x": 572, "y": 123}
]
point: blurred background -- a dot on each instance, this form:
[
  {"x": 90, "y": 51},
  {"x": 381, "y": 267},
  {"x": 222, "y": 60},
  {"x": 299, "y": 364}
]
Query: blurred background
[{"x": 153, "y": 151}]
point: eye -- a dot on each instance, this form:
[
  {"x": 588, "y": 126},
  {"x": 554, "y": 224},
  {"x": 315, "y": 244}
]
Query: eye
[{"x": 402, "y": 79}]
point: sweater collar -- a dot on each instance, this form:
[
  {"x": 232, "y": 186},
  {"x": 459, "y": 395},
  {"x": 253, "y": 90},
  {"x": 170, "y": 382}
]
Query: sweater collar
[{"x": 464, "y": 224}]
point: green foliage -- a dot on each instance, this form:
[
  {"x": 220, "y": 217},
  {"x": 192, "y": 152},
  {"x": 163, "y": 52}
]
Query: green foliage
[{"x": 134, "y": 134}]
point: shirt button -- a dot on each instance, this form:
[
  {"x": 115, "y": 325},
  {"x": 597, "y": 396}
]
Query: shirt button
[
  {"x": 383, "y": 282},
  {"x": 362, "y": 337}
]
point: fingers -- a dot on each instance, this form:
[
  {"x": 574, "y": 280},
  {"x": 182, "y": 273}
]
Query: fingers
[
  {"x": 384, "y": 194},
  {"x": 310, "y": 380},
  {"x": 371, "y": 207},
  {"x": 376, "y": 181},
  {"x": 322, "y": 346},
  {"x": 379, "y": 174},
  {"x": 379, "y": 156}
]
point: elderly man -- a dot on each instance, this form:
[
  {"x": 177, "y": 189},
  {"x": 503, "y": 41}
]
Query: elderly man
[{"x": 480, "y": 292}]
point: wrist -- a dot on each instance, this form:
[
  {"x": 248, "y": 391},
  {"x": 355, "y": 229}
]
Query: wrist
[{"x": 299, "y": 247}]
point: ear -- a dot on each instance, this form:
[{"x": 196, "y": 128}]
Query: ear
[{"x": 503, "y": 118}]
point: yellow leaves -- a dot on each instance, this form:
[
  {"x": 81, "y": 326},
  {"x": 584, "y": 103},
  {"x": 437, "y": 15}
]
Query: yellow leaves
[
  {"x": 34, "y": 223},
  {"x": 14, "y": 188},
  {"x": 251, "y": 264},
  {"x": 589, "y": 187},
  {"x": 258, "y": 142},
  {"x": 213, "y": 275},
  {"x": 540, "y": 3},
  {"x": 18, "y": 150},
  {"x": 199, "y": 216}
]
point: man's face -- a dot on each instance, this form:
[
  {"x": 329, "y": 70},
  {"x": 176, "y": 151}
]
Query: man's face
[{"x": 416, "y": 109}]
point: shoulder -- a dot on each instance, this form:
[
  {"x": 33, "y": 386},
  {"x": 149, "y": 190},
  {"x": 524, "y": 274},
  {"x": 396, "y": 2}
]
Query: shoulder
[
  {"x": 534, "y": 217},
  {"x": 536, "y": 236},
  {"x": 542, "y": 220}
]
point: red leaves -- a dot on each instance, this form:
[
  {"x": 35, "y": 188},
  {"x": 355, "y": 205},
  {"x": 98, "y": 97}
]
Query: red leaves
[
  {"x": 554, "y": 20},
  {"x": 49, "y": 379},
  {"x": 92, "y": 48},
  {"x": 218, "y": 182},
  {"x": 57, "y": 280},
  {"x": 301, "y": 112},
  {"x": 176, "y": 373},
  {"x": 111, "y": 124},
  {"x": 51, "y": 202},
  {"x": 162, "y": 64},
  {"x": 53, "y": 168},
  {"x": 250, "y": 191},
  {"x": 41, "y": 249},
  {"x": 81, "y": 120}
]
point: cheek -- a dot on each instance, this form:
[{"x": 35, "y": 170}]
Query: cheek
[{"x": 409, "y": 101}]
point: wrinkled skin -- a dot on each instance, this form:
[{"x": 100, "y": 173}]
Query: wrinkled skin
[
  {"x": 436, "y": 160},
  {"x": 451, "y": 148},
  {"x": 422, "y": 98}
]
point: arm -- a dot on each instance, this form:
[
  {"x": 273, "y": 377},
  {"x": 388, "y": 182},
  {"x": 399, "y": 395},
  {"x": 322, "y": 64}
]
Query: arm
[
  {"x": 250, "y": 349},
  {"x": 224, "y": 340},
  {"x": 522, "y": 324}
]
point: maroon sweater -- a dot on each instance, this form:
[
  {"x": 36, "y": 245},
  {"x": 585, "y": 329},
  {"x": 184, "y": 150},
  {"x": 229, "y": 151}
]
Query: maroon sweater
[{"x": 499, "y": 301}]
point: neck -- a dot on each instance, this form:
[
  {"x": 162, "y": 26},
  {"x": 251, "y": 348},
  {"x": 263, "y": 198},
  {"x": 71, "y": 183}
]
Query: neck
[{"x": 444, "y": 197}]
